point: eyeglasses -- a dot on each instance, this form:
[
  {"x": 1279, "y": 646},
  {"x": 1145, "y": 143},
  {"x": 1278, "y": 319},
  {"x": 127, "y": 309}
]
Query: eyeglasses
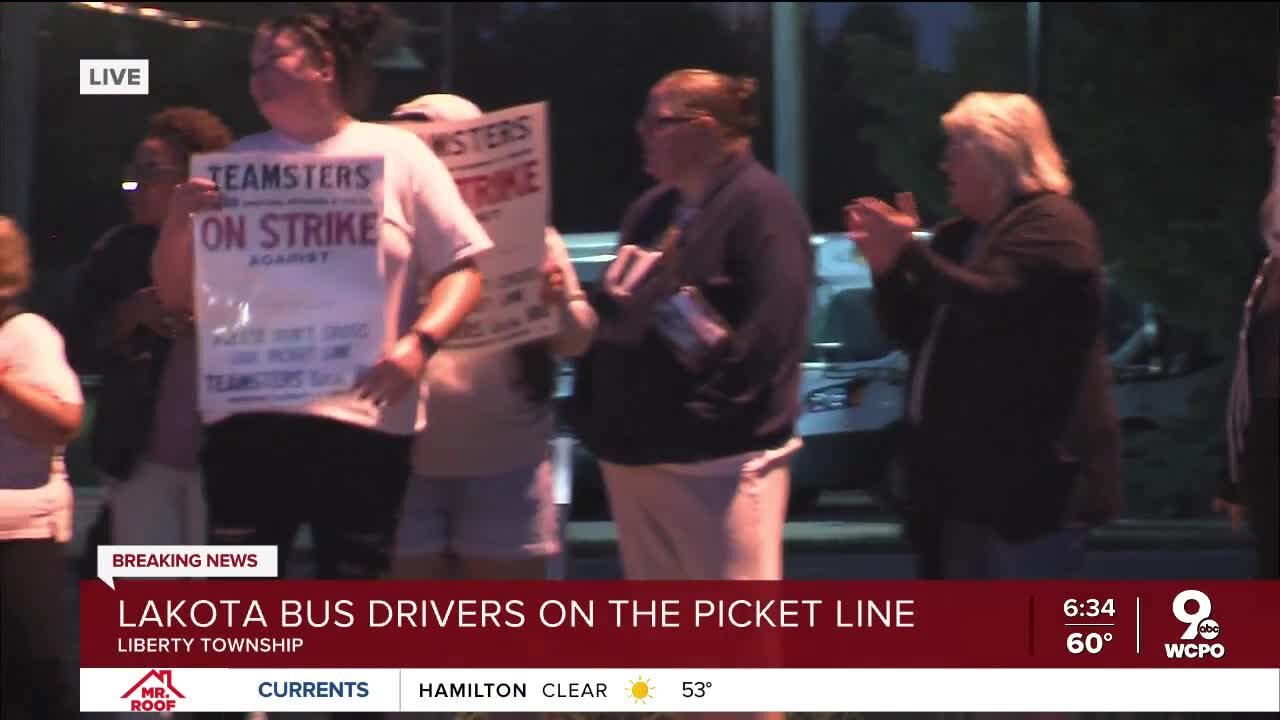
[
  {"x": 135, "y": 175},
  {"x": 649, "y": 122}
]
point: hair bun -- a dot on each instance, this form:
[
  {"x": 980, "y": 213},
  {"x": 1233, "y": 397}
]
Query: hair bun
[{"x": 742, "y": 93}]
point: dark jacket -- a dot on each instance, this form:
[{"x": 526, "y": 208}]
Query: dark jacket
[
  {"x": 1018, "y": 428},
  {"x": 1259, "y": 458},
  {"x": 118, "y": 266},
  {"x": 748, "y": 251},
  {"x": 1262, "y": 438}
]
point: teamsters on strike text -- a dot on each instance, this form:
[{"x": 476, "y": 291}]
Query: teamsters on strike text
[{"x": 507, "y": 690}]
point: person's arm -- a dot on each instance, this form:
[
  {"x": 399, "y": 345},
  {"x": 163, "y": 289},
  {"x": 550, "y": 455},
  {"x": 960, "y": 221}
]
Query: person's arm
[
  {"x": 1269, "y": 219},
  {"x": 446, "y": 235},
  {"x": 902, "y": 311},
  {"x": 173, "y": 262},
  {"x": 578, "y": 319},
  {"x": 90, "y": 325},
  {"x": 1262, "y": 454},
  {"x": 1262, "y": 464},
  {"x": 1044, "y": 244},
  {"x": 172, "y": 265},
  {"x": 1259, "y": 459},
  {"x": 104, "y": 313},
  {"x": 903, "y": 305},
  {"x": 778, "y": 261},
  {"x": 40, "y": 398},
  {"x": 447, "y": 238},
  {"x": 452, "y": 297},
  {"x": 37, "y": 416}
]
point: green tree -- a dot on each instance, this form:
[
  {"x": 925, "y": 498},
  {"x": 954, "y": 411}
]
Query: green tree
[
  {"x": 843, "y": 164},
  {"x": 909, "y": 100}
]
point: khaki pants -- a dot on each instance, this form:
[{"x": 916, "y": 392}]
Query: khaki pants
[
  {"x": 715, "y": 520},
  {"x": 159, "y": 505}
]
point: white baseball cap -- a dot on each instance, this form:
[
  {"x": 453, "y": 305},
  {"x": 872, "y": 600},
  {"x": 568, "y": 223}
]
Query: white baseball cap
[{"x": 438, "y": 107}]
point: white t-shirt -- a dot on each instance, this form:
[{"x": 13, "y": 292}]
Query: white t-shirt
[
  {"x": 426, "y": 227},
  {"x": 33, "y": 351},
  {"x": 481, "y": 421}
]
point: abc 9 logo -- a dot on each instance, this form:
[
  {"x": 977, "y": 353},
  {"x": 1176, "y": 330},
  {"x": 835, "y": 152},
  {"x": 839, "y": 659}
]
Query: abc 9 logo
[{"x": 1198, "y": 622}]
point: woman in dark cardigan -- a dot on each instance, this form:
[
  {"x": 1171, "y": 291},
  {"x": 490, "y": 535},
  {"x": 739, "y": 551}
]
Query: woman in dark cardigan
[
  {"x": 1253, "y": 456},
  {"x": 1011, "y": 446}
]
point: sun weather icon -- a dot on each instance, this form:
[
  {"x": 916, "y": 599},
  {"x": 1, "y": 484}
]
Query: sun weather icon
[{"x": 640, "y": 690}]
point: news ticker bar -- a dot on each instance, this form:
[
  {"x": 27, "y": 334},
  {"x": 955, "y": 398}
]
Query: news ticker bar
[
  {"x": 671, "y": 690},
  {"x": 872, "y": 626}
]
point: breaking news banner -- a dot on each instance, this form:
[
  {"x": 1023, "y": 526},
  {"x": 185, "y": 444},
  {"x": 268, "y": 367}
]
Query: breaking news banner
[
  {"x": 499, "y": 162},
  {"x": 180, "y": 629}
]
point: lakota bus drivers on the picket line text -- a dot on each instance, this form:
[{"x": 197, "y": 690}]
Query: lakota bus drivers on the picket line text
[{"x": 624, "y": 613}]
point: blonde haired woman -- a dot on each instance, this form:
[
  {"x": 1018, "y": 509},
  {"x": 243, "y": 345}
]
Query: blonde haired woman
[
  {"x": 1013, "y": 132},
  {"x": 1012, "y": 438},
  {"x": 40, "y": 412}
]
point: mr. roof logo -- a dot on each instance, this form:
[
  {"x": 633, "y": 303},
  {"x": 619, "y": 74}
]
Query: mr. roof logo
[
  {"x": 153, "y": 693},
  {"x": 1200, "y": 625}
]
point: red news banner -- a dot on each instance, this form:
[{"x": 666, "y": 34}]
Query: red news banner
[{"x": 388, "y": 624}]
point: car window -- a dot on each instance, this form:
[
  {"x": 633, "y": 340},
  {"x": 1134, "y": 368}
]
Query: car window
[
  {"x": 844, "y": 327},
  {"x": 1121, "y": 318}
]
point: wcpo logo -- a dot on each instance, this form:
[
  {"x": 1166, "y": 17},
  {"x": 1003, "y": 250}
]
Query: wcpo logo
[
  {"x": 115, "y": 77},
  {"x": 1200, "y": 626},
  {"x": 153, "y": 693}
]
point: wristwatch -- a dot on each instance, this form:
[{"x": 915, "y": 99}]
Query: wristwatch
[{"x": 428, "y": 344}]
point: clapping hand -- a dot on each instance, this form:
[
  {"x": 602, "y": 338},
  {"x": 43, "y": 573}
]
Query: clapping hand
[{"x": 880, "y": 230}]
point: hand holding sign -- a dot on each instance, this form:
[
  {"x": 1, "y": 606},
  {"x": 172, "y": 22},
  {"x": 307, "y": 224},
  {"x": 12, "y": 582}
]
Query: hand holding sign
[
  {"x": 193, "y": 196},
  {"x": 553, "y": 289},
  {"x": 274, "y": 332}
]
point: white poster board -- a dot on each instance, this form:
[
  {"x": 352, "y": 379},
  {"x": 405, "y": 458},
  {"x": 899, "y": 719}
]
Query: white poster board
[
  {"x": 499, "y": 162},
  {"x": 289, "y": 297}
]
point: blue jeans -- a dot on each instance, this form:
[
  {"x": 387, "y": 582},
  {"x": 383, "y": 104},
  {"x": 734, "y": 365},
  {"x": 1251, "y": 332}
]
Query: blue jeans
[{"x": 972, "y": 552}]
